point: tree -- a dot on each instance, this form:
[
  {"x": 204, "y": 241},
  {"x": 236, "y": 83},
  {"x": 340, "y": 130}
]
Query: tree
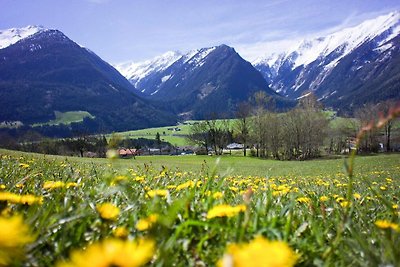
[
  {"x": 304, "y": 129},
  {"x": 242, "y": 124},
  {"x": 366, "y": 115},
  {"x": 383, "y": 109},
  {"x": 158, "y": 140},
  {"x": 258, "y": 121},
  {"x": 198, "y": 135}
]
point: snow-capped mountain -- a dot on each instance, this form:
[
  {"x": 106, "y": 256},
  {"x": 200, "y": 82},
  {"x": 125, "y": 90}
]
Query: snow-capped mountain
[
  {"x": 135, "y": 72},
  {"x": 312, "y": 64},
  {"x": 140, "y": 74},
  {"x": 199, "y": 82},
  {"x": 11, "y": 36},
  {"x": 46, "y": 72}
]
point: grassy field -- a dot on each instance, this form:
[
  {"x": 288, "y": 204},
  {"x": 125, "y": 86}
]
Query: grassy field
[
  {"x": 166, "y": 134},
  {"x": 198, "y": 211},
  {"x": 67, "y": 118},
  {"x": 175, "y": 134}
]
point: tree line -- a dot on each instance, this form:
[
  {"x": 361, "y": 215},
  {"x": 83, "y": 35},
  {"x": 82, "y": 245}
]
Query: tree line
[{"x": 305, "y": 132}]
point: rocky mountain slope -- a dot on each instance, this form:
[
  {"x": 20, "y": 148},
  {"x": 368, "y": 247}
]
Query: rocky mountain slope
[
  {"x": 42, "y": 71},
  {"x": 344, "y": 69}
]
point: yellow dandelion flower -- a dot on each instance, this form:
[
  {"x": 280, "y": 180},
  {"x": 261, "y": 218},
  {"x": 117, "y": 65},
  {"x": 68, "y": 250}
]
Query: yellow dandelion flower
[
  {"x": 20, "y": 199},
  {"x": 147, "y": 223},
  {"x": 225, "y": 211},
  {"x": 118, "y": 179},
  {"x": 185, "y": 185},
  {"x": 356, "y": 195},
  {"x": 14, "y": 235},
  {"x": 345, "y": 204},
  {"x": 259, "y": 252},
  {"x": 31, "y": 199},
  {"x": 218, "y": 195},
  {"x": 383, "y": 188},
  {"x": 2, "y": 187},
  {"x": 323, "y": 198},
  {"x": 121, "y": 232},
  {"x": 340, "y": 199},
  {"x": 395, "y": 206},
  {"x": 24, "y": 165},
  {"x": 108, "y": 211},
  {"x": 139, "y": 179},
  {"x": 385, "y": 224},
  {"x": 113, "y": 252},
  {"x": 157, "y": 192},
  {"x": 234, "y": 189},
  {"x": 6, "y": 212},
  {"x": 53, "y": 184},
  {"x": 71, "y": 184},
  {"x": 303, "y": 200}
]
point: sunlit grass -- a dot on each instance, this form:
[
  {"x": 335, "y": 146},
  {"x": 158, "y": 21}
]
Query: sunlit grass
[{"x": 301, "y": 204}]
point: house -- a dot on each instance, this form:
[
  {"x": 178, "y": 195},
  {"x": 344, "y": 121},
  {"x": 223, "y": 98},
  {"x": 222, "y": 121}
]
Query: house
[
  {"x": 235, "y": 146},
  {"x": 127, "y": 152}
]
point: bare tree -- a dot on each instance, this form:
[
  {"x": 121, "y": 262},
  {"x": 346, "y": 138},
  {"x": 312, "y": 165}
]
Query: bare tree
[
  {"x": 366, "y": 115},
  {"x": 242, "y": 124},
  {"x": 384, "y": 108},
  {"x": 198, "y": 135}
]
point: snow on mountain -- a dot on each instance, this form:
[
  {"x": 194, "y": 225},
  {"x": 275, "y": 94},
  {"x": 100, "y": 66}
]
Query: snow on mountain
[
  {"x": 344, "y": 41},
  {"x": 196, "y": 57},
  {"x": 136, "y": 71},
  {"x": 11, "y": 36},
  {"x": 307, "y": 65}
]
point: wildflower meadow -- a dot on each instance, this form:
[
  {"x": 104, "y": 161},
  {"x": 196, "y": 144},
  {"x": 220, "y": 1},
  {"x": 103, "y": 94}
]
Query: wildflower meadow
[{"x": 59, "y": 212}]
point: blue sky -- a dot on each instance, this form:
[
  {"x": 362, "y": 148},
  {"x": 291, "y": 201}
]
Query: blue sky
[{"x": 135, "y": 30}]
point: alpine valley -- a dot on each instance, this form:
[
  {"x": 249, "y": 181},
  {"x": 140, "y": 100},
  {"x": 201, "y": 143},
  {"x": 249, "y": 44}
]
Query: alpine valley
[{"x": 43, "y": 73}]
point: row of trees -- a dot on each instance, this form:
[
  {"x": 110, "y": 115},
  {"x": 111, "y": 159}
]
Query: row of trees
[
  {"x": 301, "y": 133},
  {"x": 81, "y": 145}
]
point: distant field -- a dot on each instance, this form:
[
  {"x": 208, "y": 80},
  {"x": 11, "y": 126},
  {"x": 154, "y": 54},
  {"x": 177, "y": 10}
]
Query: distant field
[
  {"x": 175, "y": 134},
  {"x": 67, "y": 118},
  {"x": 237, "y": 165}
]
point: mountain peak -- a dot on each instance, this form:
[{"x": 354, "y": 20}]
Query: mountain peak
[
  {"x": 11, "y": 36},
  {"x": 346, "y": 40},
  {"x": 342, "y": 67},
  {"x": 135, "y": 71}
]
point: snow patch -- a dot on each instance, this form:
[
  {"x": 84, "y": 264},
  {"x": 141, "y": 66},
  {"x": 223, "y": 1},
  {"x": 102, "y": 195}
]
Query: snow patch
[
  {"x": 305, "y": 95},
  {"x": 136, "y": 71},
  {"x": 166, "y": 78},
  {"x": 197, "y": 59},
  {"x": 11, "y": 36},
  {"x": 112, "y": 87},
  {"x": 155, "y": 92},
  {"x": 383, "y": 48}
]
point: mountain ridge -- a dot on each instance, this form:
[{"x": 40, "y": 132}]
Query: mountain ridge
[
  {"x": 312, "y": 65},
  {"x": 47, "y": 72},
  {"x": 212, "y": 79}
]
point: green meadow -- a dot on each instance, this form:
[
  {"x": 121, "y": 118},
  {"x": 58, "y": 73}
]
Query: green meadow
[
  {"x": 67, "y": 118},
  {"x": 198, "y": 211}
]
